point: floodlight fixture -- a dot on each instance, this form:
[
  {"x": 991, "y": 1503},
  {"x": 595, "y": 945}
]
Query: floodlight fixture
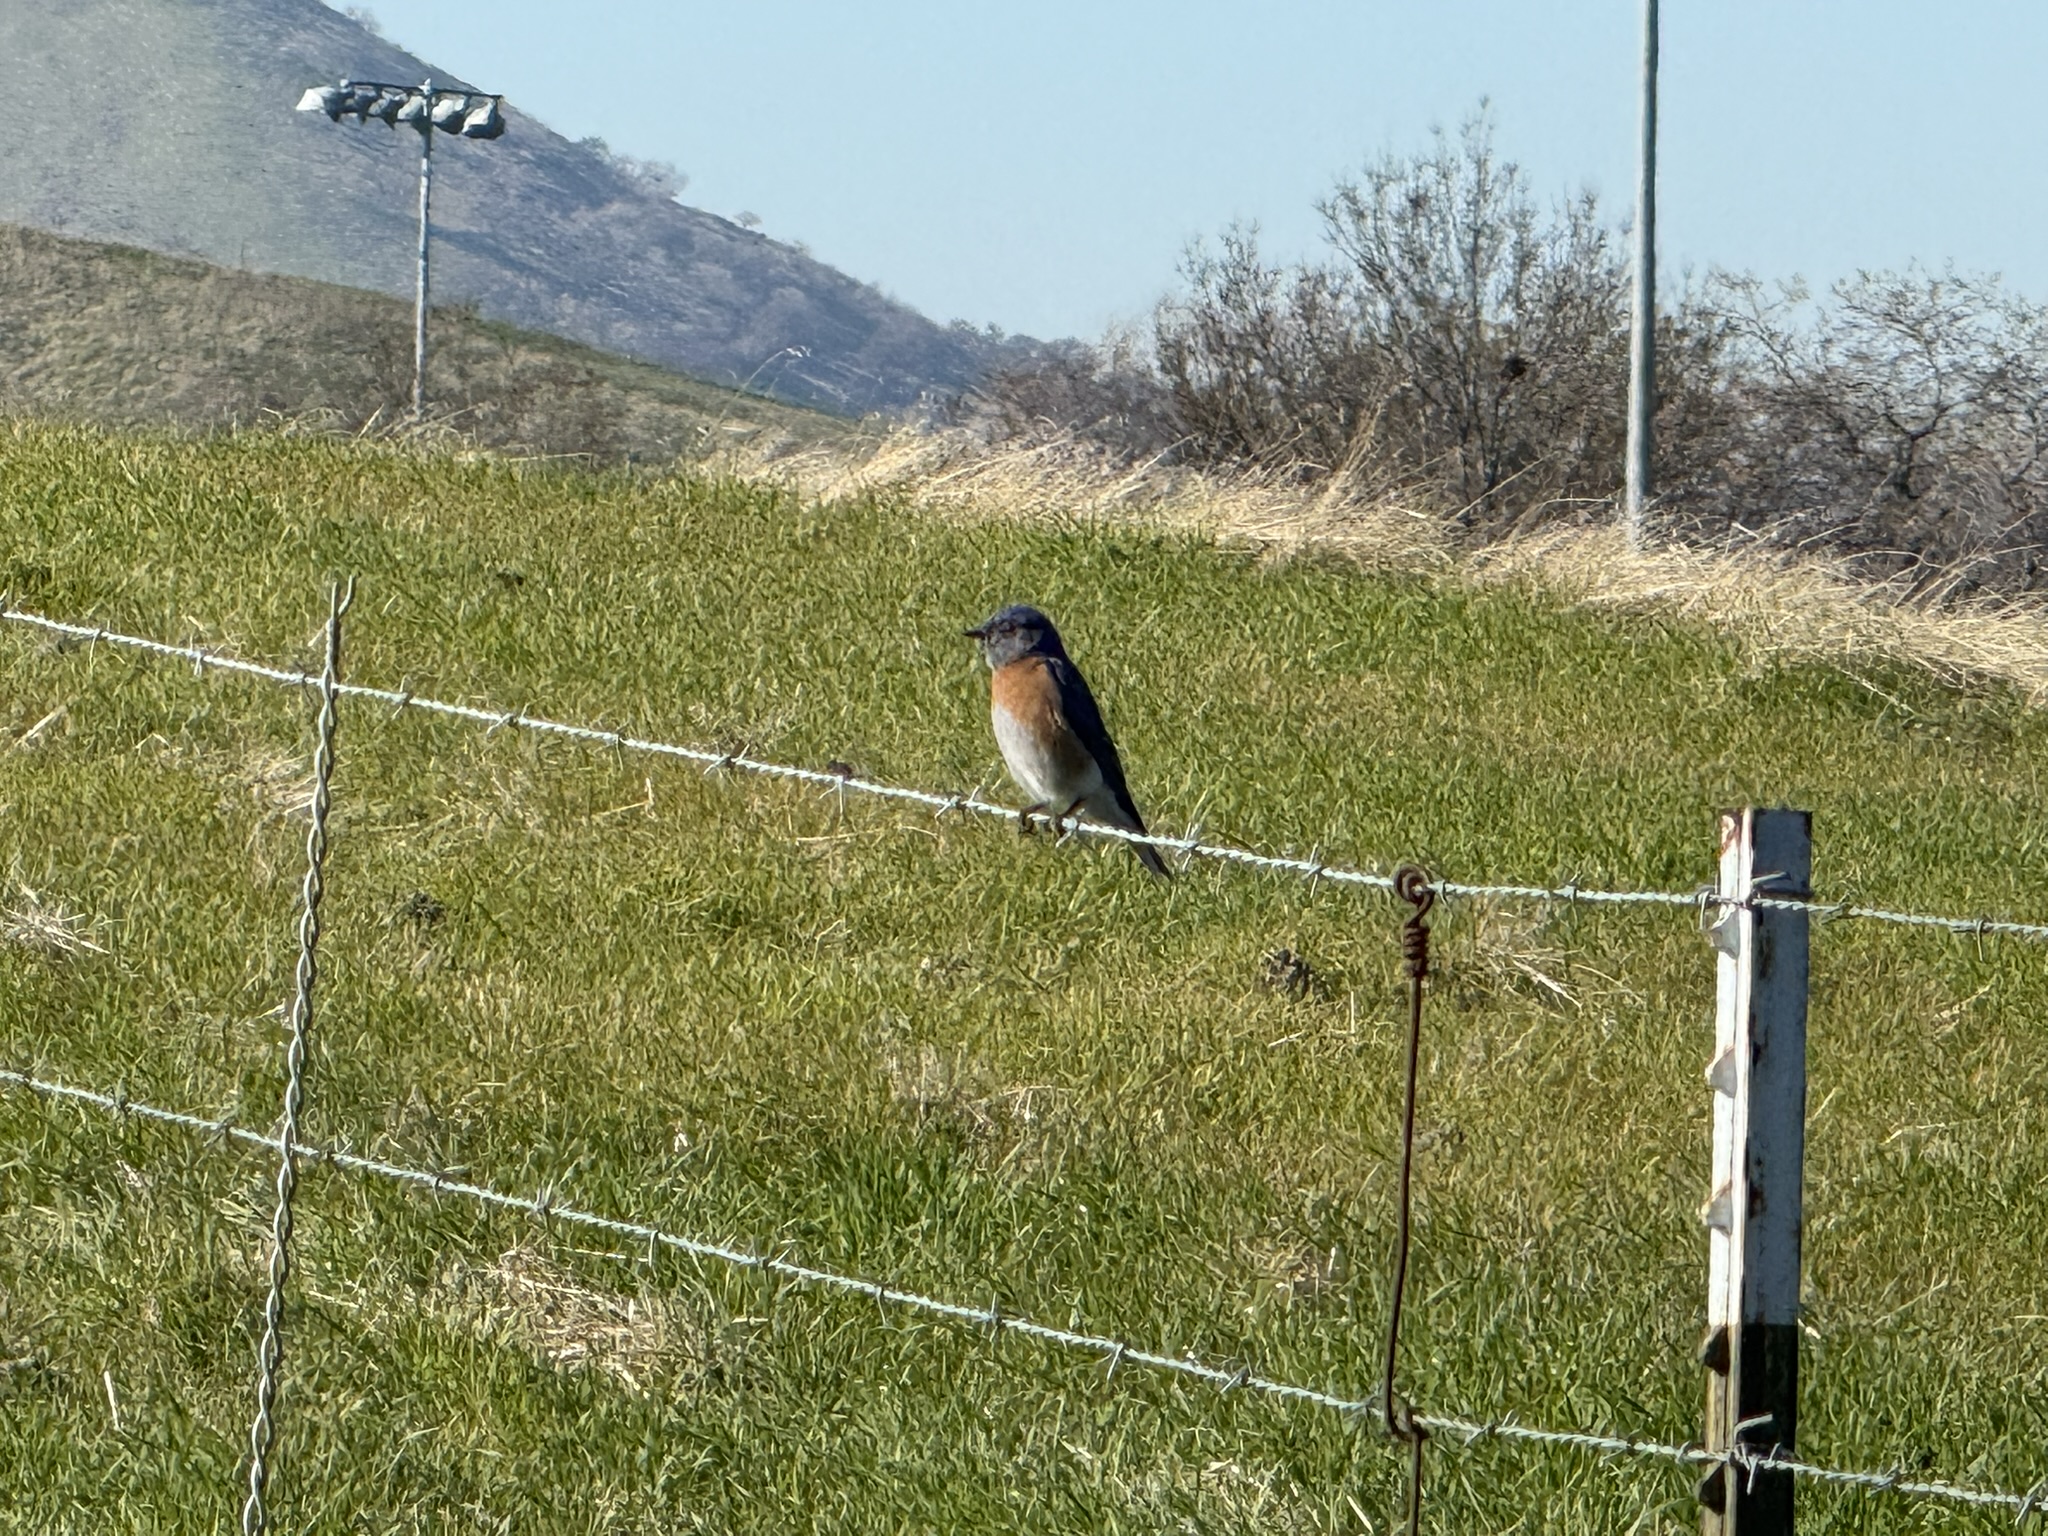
[{"x": 465, "y": 114}]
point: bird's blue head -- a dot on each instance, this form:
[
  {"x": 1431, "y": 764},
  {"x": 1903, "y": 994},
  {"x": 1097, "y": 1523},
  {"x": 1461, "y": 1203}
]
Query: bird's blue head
[{"x": 1016, "y": 632}]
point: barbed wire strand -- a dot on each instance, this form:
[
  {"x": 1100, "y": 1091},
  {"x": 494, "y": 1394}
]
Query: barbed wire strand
[
  {"x": 270, "y": 1352},
  {"x": 1311, "y": 869},
  {"x": 1112, "y": 1352}
]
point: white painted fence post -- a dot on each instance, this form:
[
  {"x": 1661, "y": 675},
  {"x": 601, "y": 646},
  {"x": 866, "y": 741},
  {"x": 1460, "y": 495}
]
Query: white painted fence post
[{"x": 1758, "y": 1078}]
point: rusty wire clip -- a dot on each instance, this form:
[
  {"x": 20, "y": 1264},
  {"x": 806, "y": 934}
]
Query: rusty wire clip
[{"x": 1412, "y": 884}]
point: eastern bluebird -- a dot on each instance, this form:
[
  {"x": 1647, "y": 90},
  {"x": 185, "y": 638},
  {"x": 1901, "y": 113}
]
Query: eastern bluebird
[{"x": 1050, "y": 731}]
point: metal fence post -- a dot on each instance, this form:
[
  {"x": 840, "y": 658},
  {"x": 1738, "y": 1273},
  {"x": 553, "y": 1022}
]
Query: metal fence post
[
  {"x": 1753, "y": 1216},
  {"x": 419, "y": 307},
  {"x": 1642, "y": 344}
]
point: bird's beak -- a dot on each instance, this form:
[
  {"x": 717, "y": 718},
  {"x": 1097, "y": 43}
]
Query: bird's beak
[{"x": 976, "y": 634}]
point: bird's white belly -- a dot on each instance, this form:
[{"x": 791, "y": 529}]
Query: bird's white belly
[{"x": 1049, "y": 776}]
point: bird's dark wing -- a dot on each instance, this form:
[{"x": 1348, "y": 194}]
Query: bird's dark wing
[
  {"x": 1078, "y": 705},
  {"x": 1085, "y": 720}
]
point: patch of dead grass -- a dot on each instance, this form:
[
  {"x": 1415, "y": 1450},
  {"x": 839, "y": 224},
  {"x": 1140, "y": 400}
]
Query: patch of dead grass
[
  {"x": 1783, "y": 603},
  {"x": 46, "y": 927},
  {"x": 1284, "y": 1267},
  {"x": 954, "y": 474},
  {"x": 1503, "y": 949},
  {"x": 1229, "y": 1495},
  {"x": 529, "y": 1300},
  {"x": 1774, "y": 602},
  {"x": 278, "y": 784},
  {"x": 1016, "y": 1129}
]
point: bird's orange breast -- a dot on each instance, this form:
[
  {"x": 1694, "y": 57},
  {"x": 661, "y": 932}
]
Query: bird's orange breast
[{"x": 1027, "y": 692}]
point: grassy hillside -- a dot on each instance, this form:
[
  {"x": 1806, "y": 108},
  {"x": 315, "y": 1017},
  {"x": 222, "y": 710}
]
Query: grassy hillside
[
  {"x": 116, "y": 335},
  {"x": 930, "y": 1052},
  {"x": 533, "y": 229}
]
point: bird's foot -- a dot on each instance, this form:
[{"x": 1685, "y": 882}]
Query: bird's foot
[
  {"x": 1063, "y": 825},
  {"x": 1024, "y": 818}
]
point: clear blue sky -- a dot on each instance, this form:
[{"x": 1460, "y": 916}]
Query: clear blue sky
[{"x": 1042, "y": 167}]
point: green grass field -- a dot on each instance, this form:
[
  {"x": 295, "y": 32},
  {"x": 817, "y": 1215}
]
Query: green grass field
[{"x": 933, "y": 1053}]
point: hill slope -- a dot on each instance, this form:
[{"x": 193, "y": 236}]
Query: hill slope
[
  {"x": 177, "y": 133},
  {"x": 920, "y": 1050},
  {"x": 122, "y": 336}
]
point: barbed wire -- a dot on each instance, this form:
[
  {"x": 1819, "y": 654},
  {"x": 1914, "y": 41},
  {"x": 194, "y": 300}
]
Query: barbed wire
[
  {"x": 270, "y": 1351},
  {"x": 1113, "y": 1353},
  {"x": 848, "y": 782}
]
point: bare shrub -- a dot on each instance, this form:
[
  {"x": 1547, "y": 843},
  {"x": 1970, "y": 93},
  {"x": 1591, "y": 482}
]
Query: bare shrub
[
  {"x": 1459, "y": 347},
  {"x": 1466, "y": 352},
  {"x": 1461, "y": 343},
  {"x": 1111, "y": 395},
  {"x": 1260, "y": 361},
  {"x": 1900, "y": 421},
  {"x": 658, "y": 178}
]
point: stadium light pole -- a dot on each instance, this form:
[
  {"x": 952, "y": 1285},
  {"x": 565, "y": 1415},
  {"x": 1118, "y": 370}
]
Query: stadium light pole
[
  {"x": 1642, "y": 343},
  {"x": 469, "y": 114}
]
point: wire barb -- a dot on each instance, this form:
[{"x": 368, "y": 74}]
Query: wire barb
[
  {"x": 270, "y": 1351},
  {"x": 2031, "y": 1501}
]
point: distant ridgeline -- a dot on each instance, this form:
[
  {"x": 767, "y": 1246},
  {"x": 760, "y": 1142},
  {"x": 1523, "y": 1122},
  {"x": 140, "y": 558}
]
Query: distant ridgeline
[
  {"x": 533, "y": 230},
  {"x": 125, "y": 337}
]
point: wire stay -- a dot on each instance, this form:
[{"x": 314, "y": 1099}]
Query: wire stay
[{"x": 270, "y": 1351}]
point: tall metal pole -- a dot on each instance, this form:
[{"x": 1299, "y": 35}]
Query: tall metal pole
[
  {"x": 470, "y": 114},
  {"x": 1642, "y": 346},
  {"x": 419, "y": 315}
]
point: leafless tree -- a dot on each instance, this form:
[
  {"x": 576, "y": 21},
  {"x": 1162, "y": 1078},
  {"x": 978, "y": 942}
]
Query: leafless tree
[
  {"x": 1469, "y": 349},
  {"x": 660, "y": 177},
  {"x": 1900, "y": 420},
  {"x": 1462, "y": 340},
  {"x": 1109, "y": 396}
]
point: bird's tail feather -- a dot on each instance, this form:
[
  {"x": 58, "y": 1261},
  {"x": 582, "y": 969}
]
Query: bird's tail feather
[
  {"x": 1149, "y": 857},
  {"x": 1120, "y": 813}
]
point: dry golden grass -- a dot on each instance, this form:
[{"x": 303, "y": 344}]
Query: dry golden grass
[
  {"x": 42, "y": 926},
  {"x": 1776, "y": 603},
  {"x": 1786, "y": 604},
  {"x": 953, "y": 473}
]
